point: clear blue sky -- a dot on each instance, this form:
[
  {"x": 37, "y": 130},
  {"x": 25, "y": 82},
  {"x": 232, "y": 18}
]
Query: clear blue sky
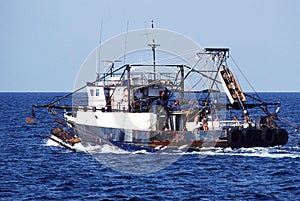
[{"x": 44, "y": 42}]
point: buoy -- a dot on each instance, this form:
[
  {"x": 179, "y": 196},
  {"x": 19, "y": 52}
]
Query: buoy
[
  {"x": 29, "y": 120},
  {"x": 74, "y": 140}
]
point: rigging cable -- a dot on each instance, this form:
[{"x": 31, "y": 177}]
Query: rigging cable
[
  {"x": 264, "y": 107},
  {"x": 245, "y": 77}
]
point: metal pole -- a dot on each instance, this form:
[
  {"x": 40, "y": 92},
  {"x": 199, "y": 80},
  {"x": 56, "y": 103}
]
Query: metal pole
[{"x": 128, "y": 87}]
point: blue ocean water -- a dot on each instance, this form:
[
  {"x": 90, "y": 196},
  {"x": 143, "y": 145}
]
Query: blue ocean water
[{"x": 33, "y": 169}]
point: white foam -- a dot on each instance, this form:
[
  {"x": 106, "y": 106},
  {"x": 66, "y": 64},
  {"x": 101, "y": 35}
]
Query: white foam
[
  {"x": 272, "y": 152},
  {"x": 143, "y": 151},
  {"x": 183, "y": 147},
  {"x": 50, "y": 143},
  {"x": 104, "y": 148},
  {"x": 252, "y": 152},
  {"x": 77, "y": 146}
]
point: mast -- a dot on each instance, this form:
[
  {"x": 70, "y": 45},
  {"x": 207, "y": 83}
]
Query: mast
[
  {"x": 181, "y": 83},
  {"x": 128, "y": 87},
  {"x": 153, "y": 45},
  {"x": 98, "y": 56}
]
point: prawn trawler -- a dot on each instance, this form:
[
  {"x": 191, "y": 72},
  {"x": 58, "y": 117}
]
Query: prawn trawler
[{"x": 178, "y": 105}]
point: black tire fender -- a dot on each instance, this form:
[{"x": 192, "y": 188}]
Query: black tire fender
[
  {"x": 282, "y": 136},
  {"x": 268, "y": 137},
  {"x": 248, "y": 137},
  {"x": 235, "y": 138}
]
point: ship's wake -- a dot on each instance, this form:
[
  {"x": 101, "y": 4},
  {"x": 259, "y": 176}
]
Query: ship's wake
[
  {"x": 143, "y": 162},
  {"x": 267, "y": 152}
]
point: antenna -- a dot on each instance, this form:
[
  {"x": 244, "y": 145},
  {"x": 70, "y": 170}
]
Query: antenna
[
  {"x": 153, "y": 45},
  {"x": 99, "y": 53},
  {"x": 111, "y": 65},
  {"x": 125, "y": 49}
]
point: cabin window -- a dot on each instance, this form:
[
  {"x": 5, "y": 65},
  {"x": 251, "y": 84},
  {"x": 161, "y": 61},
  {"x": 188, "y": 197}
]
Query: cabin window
[
  {"x": 92, "y": 92},
  {"x": 97, "y": 92}
]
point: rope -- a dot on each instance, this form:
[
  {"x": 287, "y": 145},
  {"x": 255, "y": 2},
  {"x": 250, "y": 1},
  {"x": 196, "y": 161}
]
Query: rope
[
  {"x": 245, "y": 77},
  {"x": 63, "y": 97}
]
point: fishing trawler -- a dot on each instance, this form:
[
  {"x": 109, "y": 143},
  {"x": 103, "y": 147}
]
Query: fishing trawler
[{"x": 170, "y": 106}]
